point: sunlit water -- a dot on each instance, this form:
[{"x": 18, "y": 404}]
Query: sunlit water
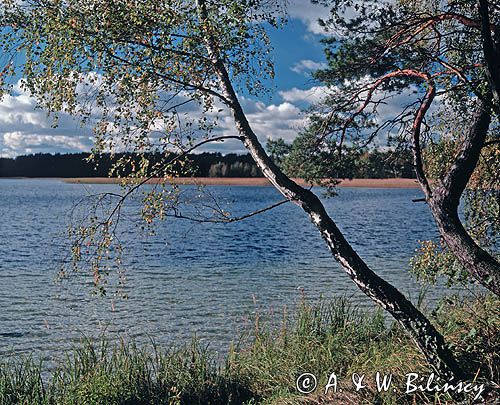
[{"x": 190, "y": 278}]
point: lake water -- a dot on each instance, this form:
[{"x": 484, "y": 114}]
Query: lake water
[{"x": 190, "y": 278}]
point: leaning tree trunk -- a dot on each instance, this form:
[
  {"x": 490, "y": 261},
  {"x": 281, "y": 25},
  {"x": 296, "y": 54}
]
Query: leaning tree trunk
[
  {"x": 491, "y": 52},
  {"x": 479, "y": 263},
  {"x": 444, "y": 199},
  {"x": 428, "y": 339}
]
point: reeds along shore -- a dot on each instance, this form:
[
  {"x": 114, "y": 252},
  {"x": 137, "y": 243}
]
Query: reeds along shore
[
  {"x": 324, "y": 338},
  {"x": 256, "y": 181}
]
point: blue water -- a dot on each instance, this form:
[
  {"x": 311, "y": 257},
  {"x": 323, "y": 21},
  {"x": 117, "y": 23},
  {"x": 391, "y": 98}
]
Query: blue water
[{"x": 190, "y": 278}]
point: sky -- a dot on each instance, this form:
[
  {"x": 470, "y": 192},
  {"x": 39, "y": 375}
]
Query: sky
[{"x": 24, "y": 129}]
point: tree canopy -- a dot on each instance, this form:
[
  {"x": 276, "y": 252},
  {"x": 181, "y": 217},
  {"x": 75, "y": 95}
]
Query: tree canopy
[
  {"x": 138, "y": 71},
  {"x": 436, "y": 64}
]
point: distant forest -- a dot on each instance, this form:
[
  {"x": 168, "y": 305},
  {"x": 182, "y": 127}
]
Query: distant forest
[{"x": 373, "y": 164}]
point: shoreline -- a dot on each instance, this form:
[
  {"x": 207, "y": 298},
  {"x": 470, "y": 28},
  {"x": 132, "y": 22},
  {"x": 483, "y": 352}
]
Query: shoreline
[{"x": 254, "y": 181}]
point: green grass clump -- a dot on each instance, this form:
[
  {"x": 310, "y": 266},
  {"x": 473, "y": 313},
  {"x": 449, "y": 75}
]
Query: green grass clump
[
  {"x": 329, "y": 336},
  {"x": 96, "y": 373}
]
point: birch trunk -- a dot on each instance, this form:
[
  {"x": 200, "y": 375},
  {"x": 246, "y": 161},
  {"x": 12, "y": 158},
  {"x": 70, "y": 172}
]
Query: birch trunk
[{"x": 428, "y": 339}]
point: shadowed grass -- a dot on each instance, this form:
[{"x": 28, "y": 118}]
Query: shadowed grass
[
  {"x": 126, "y": 374},
  {"x": 330, "y": 336}
]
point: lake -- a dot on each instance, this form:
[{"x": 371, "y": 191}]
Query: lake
[{"x": 191, "y": 278}]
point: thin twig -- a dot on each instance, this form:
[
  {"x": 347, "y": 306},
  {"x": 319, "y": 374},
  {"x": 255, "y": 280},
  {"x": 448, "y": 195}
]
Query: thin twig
[{"x": 229, "y": 219}]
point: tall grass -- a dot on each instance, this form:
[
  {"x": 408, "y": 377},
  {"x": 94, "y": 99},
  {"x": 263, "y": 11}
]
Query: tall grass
[
  {"x": 328, "y": 337},
  {"x": 96, "y": 373},
  {"x": 321, "y": 338}
]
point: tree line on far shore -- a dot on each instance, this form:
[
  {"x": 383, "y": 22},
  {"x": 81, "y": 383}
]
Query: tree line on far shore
[{"x": 369, "y": 164}]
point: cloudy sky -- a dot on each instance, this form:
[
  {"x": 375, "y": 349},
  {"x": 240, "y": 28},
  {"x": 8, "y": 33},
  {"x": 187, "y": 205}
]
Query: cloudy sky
[{"x": 24, "y": 129}]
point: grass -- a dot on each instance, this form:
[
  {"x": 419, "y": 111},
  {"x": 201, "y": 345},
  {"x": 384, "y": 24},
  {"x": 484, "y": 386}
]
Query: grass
[{"x": 329, "y": 336}]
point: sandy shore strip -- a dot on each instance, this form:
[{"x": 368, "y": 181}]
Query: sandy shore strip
[{"x": 256, "y": 181}]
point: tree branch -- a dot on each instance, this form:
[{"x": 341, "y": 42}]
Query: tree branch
[
  {"x": 430, "y": 341},
  {"x": 446, "y": 199},
  {"x": 416, "y": 130},
  {"x": 228, "y": 219},
  {"x": 458, "y": 175},
  {"x": 169, "y": 78},
  {"x": 162, "y": 167}
]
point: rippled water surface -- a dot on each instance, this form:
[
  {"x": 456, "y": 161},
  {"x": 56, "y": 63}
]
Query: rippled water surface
[{"x": 203, "y": 279}]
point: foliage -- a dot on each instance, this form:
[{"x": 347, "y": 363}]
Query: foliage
[
  {"x": 278, "y": 149},
  {"x": 369, "y": 164},
  {"x": 140, "y": 73},
  {"x": 132, "y": 68},
  {"x": 471, "y": 326},
  {"x": 302, "y": 158},
  {"x": 432, "y": 261},
  {"x": 393, "y": 52},
  {"x": 407, "y": 54},
  {"x": 329, "y": 336},
  {"x": 481, "y": 207}
]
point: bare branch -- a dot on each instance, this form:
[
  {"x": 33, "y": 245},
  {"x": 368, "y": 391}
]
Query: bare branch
[
  {"x": 416, "y": 129},
  {"x": 227, "y": 219}
]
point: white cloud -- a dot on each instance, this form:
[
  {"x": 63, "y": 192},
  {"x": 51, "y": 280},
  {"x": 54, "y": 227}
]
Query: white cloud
[
  {"x": 273, "y": 121},
  {"x": 25, "y": 129},
  {"x": 13, "y": 142},
  {"x": 305, "y": 66},
  {"x": 309, "y": 14},
  {"x": 309, "y": 96}
]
